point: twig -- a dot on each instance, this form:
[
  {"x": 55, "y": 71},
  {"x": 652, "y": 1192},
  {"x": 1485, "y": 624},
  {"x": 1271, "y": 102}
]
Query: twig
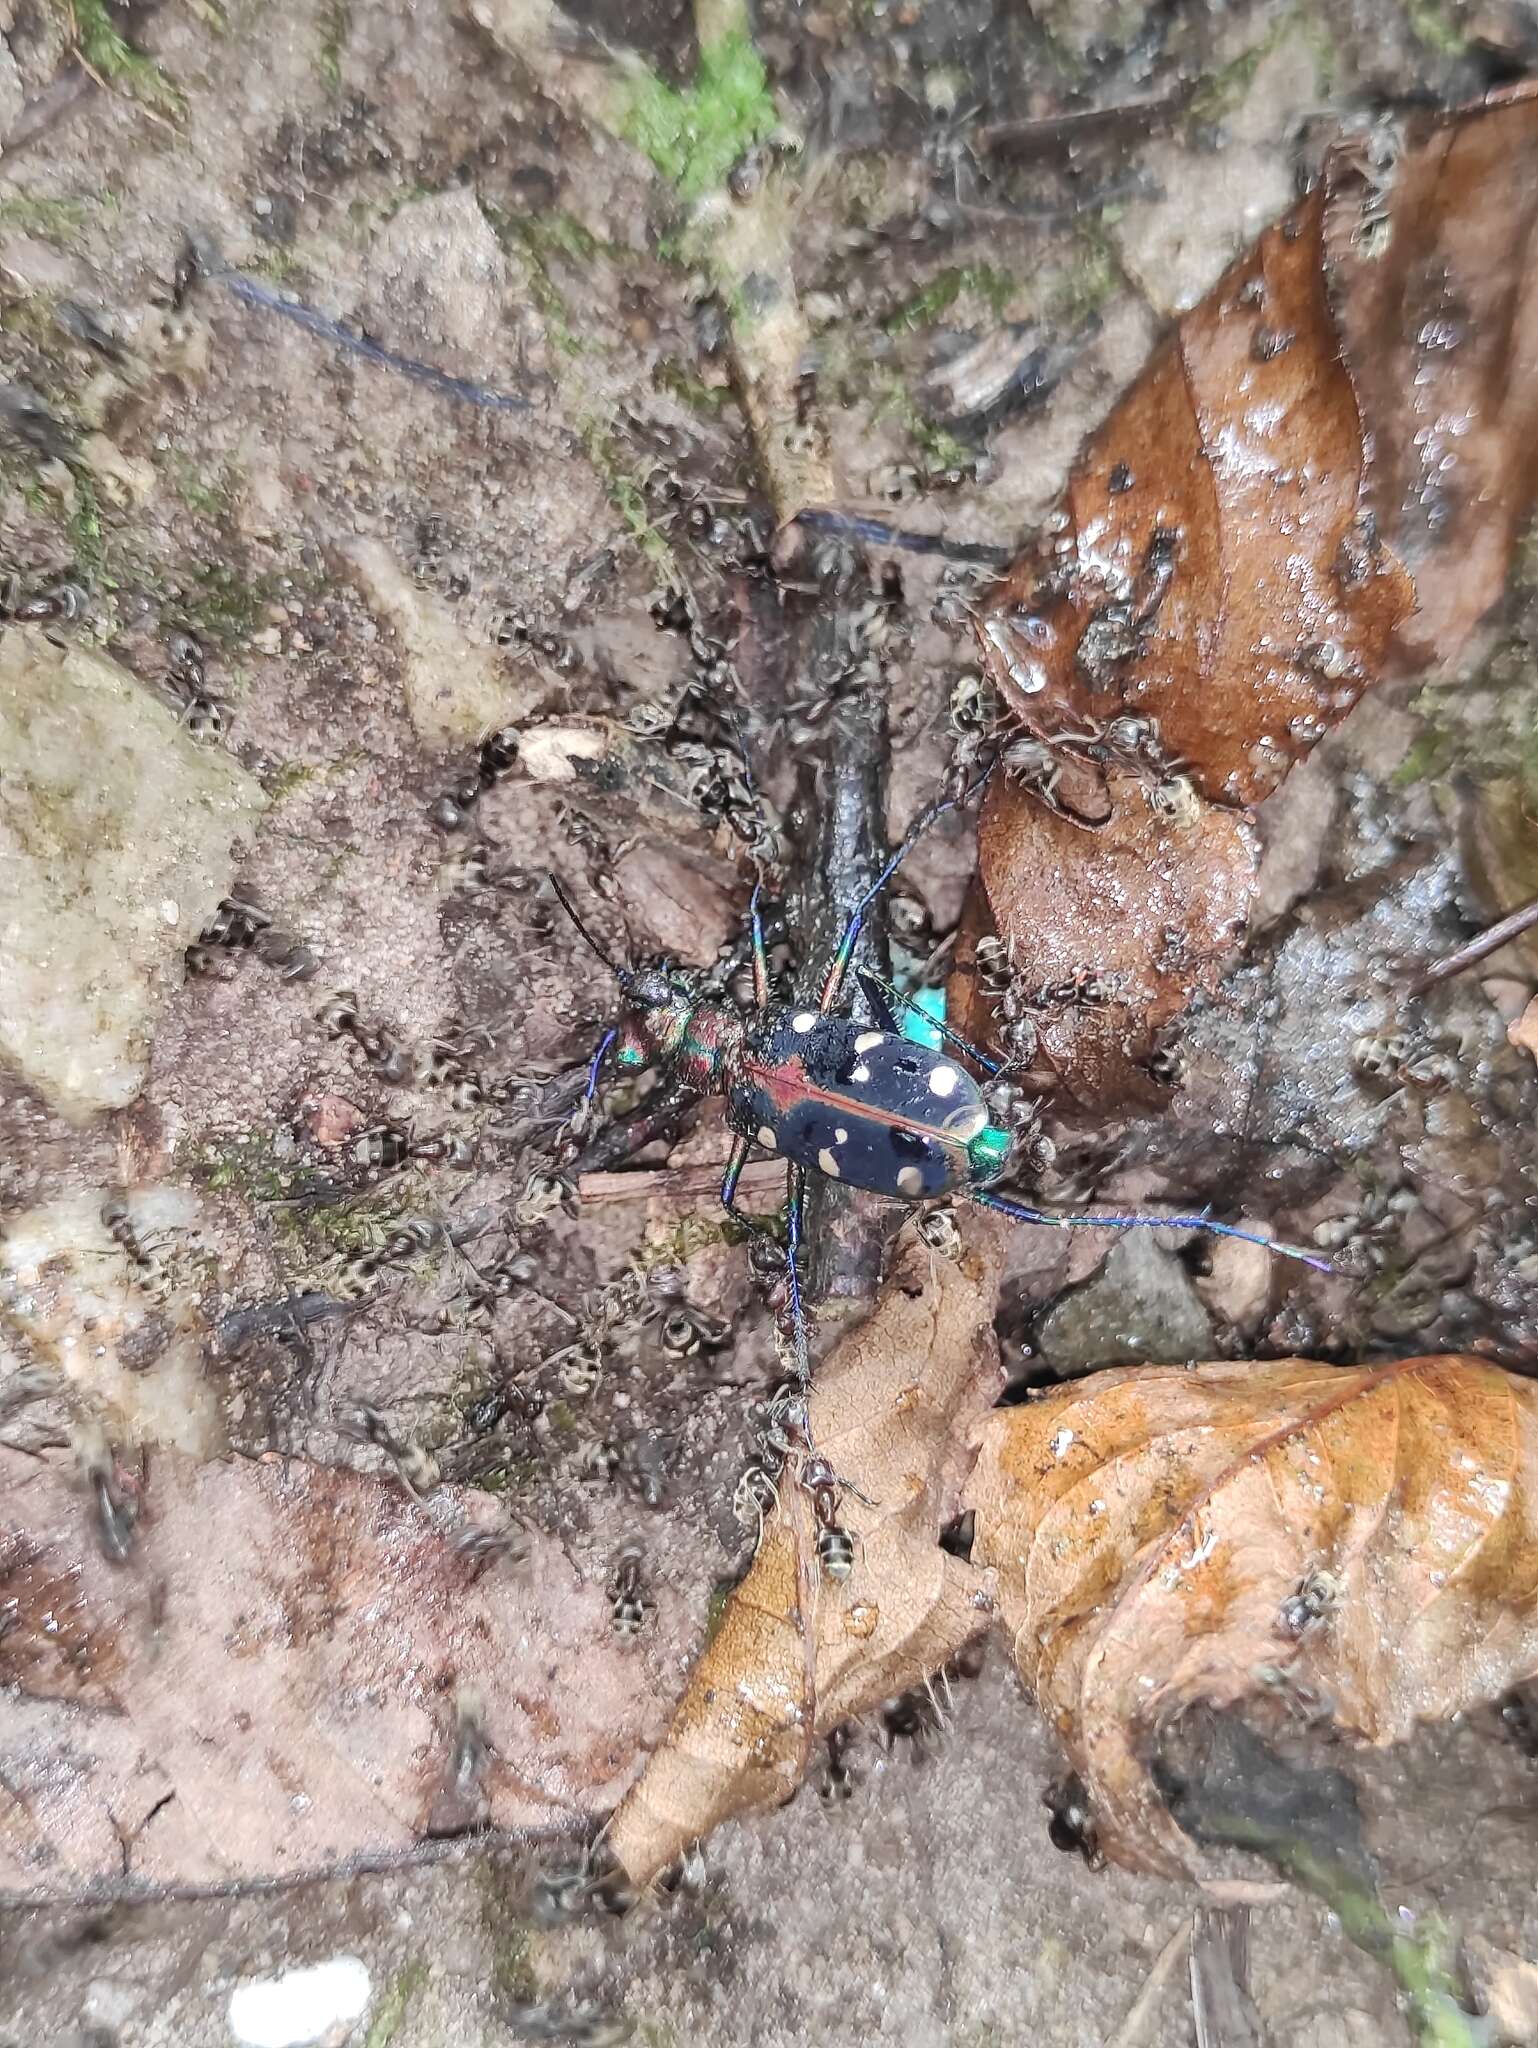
[
  {"x": 762, "y": 1185},
  {"x": 1141, "y": 2010},
  {"x": 1491, "y": 941}
]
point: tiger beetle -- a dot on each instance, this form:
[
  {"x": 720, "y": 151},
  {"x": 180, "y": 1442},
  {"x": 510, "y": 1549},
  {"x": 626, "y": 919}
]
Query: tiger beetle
[{"x": 829, "y": 1095}]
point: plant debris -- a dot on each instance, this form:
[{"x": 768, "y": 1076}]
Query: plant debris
[
  {"x": 1304, "y": 1542},
  {"x": 796, "y": 1652}
]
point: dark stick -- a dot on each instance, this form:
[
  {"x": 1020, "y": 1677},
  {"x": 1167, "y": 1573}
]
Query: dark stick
[
  {"x": 841, "y": 837},
  {"x": 1488, "y": 942}
]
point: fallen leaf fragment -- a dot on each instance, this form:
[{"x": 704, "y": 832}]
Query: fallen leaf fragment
[
  {"x": 1246, "y": 1536},
  {"x": 894, "y": 1410},
  {"x": 1435, "y": 293},
  {"x": 1524, "y": 1032},
  {"x": 1320, "y": 476},
  {"x": 1154, "y": 909},
  {"x": 273, "y": 1682}
]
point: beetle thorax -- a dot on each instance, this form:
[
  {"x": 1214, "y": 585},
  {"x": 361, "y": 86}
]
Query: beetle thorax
[{"x": 668, "y": 1026}]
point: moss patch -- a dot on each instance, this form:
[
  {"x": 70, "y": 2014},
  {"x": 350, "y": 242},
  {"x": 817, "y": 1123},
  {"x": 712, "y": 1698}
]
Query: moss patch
[
  {"x": 996, "y": 288},
  {"x": 695, "y": 136},
  {"x": 398, "y": 1994},
  {"x": 117, "y": 62}
]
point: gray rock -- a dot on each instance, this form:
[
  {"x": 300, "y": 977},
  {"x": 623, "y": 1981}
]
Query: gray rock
[
  {"x": 116, "y": 837},
  {"x": 13, "y": 93},
  {"x": 1139, "y": 1308}
]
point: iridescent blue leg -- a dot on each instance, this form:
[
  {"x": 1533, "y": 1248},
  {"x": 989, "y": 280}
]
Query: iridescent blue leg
[
  {"x": 597, "y": 1065},
  {"x": 760, "y": 952},
  {"x": 1083, "y": 1220},
  {"x": 833, "y": 982},
  {"x": 795, "y": 1216},
  {"x": 753, "y": 1225}
]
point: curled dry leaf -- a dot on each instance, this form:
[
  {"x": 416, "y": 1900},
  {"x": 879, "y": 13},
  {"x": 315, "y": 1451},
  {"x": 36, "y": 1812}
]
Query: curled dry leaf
[
  {"x": 1256, "y": 1536},
  {"x": 276, "y": 1679},
  {"x": 1228, "y": 564},
  {"x": 895, "y": 1411}
]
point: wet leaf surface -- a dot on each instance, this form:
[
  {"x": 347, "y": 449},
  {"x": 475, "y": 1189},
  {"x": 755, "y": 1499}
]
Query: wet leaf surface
[
  {"x": 278, "y": 1678},
  {"x": 1266, "y": 524},
  {"x": 1290, "y": 1539},
  {"x": 1429, "y": 240},
  {"x": 797, "y": 1653},
  {"x": 1154, "y": 910}
]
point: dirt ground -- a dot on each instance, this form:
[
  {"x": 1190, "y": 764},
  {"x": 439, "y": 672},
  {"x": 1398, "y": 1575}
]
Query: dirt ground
[{"x": 377, "y": 573}]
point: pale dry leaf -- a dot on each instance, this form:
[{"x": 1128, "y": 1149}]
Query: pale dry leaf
[
  {"x": 1249, "y": 1536},
  {"x": 273, "y": 1682},
  {"x": 895, "y": 1410},
  {"x": 1524, "y": 1031}
]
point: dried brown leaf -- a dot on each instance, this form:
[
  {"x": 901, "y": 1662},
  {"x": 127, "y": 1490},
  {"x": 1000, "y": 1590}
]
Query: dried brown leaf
[
  {"x": 1358, "y": 393},
  {"x": 1155, "y": 908},
  {"x": 271, "y": 1684},
  {"x": 895, "y": 1410},
  {"x": 1150, "y": 1526},
  {"x": 1430, "y": 239},
  {"x": 1239, "y": 453},
  {"x": 1524, "y": 1030}
]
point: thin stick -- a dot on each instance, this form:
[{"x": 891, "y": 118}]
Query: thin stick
[
  {"x": 683, "y": 1185},
  {"x": 1488, "y": 942},
  {"x": 1141, "y": 2010}
]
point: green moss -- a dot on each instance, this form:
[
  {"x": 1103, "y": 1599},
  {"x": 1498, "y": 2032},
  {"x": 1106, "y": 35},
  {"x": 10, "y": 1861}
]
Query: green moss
[
  {"x": 1225, "y": 89},
  {"x": 51, "y": 220},
  {"x": 335, "y": 27},
  {"x": 82, "y": 523},
  {"x": 1432, "y": 25},
  {"x": 715, "y": 1608},
  {"x": 562, "y": 1419},
  {"x": 627, "y": 498},
  {"x": 536, "y": 239},
  {"x": 118, "y": 62},
  {"x": 284, "y": 782},
  {"x": 996, "y": 288},
  {"x": 210, "y": 497},
  {"x": 397, "y": 1995},
  {"x": 223, "y": 603},
  {"x": 243, "y": 1164},
  {"x": 680, "y": 382},
  {"x": 695, "y": 136},
  {"x": 1080, "y": 289}
]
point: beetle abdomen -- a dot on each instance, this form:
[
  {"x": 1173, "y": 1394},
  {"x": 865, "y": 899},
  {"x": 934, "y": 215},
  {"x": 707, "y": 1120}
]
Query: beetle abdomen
[{"x": 858, "y": 1105}]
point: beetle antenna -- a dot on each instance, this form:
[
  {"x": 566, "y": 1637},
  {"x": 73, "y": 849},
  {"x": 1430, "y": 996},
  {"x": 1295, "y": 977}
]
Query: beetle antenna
[{"x": 621, "y": 974}]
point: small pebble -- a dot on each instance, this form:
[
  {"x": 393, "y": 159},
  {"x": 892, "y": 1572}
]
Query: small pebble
[{"x": 299, "y": 2007}]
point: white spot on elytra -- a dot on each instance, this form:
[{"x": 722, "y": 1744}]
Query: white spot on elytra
[
  {"x": 841, "y": 1136},
  {"x": 910, "y": 1181},
  {"x": 859, "y": 1073},
  {"x": 942, "y": 1080},
  {"x": 299, "y": 2006},
  {"x": 803, "y": 1020},
  {"x": 767, "y": 1139},
  {"x": 867, "y": 1039},
  {"x": 826, "y": 1163}
]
